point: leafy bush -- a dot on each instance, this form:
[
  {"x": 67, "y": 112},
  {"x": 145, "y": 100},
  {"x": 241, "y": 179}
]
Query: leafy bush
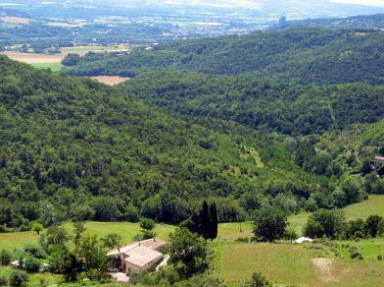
[
  {"x": 5, "y": 257},
  {"x": 328, "y": 223},
  {"x": 36, "y": 251},
  {"x": 3, "y": 281},
  {"x": 31, "y": 264},
  {"x": 258, "y": 280},
  {"x": 17, "y": 278},
  {"x": 355, "y": 253}
]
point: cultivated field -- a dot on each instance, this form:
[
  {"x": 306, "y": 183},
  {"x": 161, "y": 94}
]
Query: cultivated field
[
  {"x": 31, "y": 58},
  {"x": 53, "y": 61}
]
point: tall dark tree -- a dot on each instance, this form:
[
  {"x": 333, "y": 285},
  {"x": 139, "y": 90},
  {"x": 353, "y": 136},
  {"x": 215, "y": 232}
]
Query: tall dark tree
[
  {"x": 213, "y": 222},
  {"x": 205, "y": 221}
]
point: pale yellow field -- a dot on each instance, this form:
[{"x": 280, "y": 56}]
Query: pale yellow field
[
  {"x": 31, "y": 58},
  {"x": 16, "y": 20},
  {"x": 110, "y": 80}
]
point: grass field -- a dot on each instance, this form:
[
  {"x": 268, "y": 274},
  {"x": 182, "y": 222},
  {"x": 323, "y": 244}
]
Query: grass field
[
  {"x": 55, "y": 67},
  {"x": 299, "y": 265}
]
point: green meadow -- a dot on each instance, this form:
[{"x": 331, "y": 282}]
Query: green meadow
[
  {"x": 312, "y": 265},
  {"x": 55, "y": 67}
]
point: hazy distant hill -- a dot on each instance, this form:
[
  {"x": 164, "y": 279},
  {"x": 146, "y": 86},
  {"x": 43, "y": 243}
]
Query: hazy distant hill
[{"x": 362, "y": 22}]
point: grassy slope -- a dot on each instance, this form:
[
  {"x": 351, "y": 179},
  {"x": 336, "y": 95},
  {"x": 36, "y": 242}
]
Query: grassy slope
[
  {"x": 292, "y": 264},
  {"x": 285, "y": 263},
  {"x": 374, "y": 205}
]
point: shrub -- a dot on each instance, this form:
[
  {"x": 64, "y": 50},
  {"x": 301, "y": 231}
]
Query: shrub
[
  {"x": 355, "y": 253},
  {"x": 31, "y": 264},
  {"x": 3, "y": 281},
  {"x": 17, "y": 278},
  {"x": 380, "y": 257},
  {"x": 36, "y": 251},
  {"x": 5, "y": 257},
  {"x": 258, "y": 280}
]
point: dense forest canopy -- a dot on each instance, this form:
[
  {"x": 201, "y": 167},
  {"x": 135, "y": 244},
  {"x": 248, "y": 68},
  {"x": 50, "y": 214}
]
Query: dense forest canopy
[
  {"x": 72, "y": 148},
  {"x": 285, "y": 108},
  {"x": 306, "y": 56}
]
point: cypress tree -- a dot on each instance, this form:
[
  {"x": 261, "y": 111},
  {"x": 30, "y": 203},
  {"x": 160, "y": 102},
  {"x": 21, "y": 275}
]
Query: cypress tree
[
  {"x": 205, "y": 221},
  {"x": 213, "y": 221}
]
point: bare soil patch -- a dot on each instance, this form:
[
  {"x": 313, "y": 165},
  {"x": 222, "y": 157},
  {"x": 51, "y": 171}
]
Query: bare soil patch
[
  {"x": 325, "y": 267},
  {"x": 110, "y": 80},
  {"x": 16, "y": 20}
]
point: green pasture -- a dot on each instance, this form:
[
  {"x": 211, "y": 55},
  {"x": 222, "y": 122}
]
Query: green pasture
[
  {"x": 55, "y": 67},
  {"x": 298, "y": 265}
]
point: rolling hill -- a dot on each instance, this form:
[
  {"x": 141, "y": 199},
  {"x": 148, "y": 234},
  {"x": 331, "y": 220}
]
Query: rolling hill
[{"x": 305, "y": 56}]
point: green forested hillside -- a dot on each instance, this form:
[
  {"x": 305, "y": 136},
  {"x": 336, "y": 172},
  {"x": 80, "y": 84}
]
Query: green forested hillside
[
  {"x": 306, "y": 56},
  {"x": 285, "y": 108},
  {"x": 72, "y": 148}
]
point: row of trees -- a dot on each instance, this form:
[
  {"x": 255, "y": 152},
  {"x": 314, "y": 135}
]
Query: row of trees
[
  {"x": 204, "y": 222},
  {"x": 271, "y": 224},
  {"x": 333, "y": 224}
]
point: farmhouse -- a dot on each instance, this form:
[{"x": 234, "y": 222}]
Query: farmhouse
[{"x": 137, "y": 257}]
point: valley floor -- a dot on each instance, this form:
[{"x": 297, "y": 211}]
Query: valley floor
[{"x": 315, "y": 264}]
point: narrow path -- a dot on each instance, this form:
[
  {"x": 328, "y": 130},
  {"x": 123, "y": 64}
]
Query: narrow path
[{"x": 325, "y": 266}]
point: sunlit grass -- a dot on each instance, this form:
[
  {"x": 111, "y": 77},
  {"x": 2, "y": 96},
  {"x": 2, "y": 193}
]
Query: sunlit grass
[{"x": 55, "y": 67}]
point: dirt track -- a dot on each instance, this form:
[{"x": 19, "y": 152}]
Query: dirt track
[{"x": 325, "y": 266}]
